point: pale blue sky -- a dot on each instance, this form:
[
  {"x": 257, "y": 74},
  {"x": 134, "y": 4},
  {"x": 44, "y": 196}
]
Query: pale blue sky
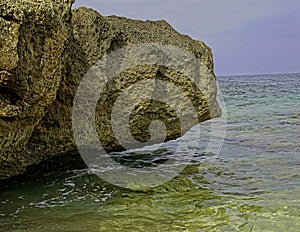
[{"x": 247, "y": 36}]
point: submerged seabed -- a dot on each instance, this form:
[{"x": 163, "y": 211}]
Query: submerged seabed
[{"x": 253, "y": 185}]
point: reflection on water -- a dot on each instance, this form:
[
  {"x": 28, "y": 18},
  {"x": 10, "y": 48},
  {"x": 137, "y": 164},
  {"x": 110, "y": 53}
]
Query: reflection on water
[
  {"x": 80, "y": 200},
  {"x": 232, "y": 195},
  {"x": 253, "y": 185}
]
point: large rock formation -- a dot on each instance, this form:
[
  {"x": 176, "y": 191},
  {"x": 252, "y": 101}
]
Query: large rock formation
[
  {"x": 33, "y": 41},
  {"x": 46, "y": 49}
]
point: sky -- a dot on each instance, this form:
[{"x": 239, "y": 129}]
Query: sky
[{"x": 246, "y": 36}]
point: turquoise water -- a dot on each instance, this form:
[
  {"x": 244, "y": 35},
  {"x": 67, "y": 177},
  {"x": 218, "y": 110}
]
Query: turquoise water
[{"x": 252, "y": 185}]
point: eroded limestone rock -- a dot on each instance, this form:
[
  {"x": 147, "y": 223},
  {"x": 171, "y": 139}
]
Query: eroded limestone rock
[
  {"x": 45, "y": 52},
  {"x": 33, "y": 40}
]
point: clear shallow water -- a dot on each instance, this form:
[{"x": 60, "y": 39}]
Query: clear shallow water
[{"x": 253, "y": 185}]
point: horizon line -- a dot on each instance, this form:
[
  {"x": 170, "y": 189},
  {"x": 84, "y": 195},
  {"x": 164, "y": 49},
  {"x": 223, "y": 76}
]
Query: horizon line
[{"x": 255, "y": 74}]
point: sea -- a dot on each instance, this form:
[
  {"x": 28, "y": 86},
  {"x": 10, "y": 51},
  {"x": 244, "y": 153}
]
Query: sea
[{"x": 252, "y": 183}]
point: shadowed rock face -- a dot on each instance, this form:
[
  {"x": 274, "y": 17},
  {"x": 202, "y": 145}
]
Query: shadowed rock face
[
  {"x": 46, "y": 49},
  {"x": 33, "y": 40}
]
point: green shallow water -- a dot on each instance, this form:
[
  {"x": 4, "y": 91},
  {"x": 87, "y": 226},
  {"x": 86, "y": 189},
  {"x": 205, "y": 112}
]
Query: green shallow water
[{"x": 252, "y": 185}]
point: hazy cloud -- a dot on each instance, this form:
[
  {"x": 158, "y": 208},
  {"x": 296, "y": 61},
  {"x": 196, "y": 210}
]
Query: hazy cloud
[
  {"x": 209, "y": 16},
  {"x": 243, "y": 32}
]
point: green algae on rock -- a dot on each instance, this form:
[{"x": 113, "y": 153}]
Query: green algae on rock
[{"x": 46, "y": 48}]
